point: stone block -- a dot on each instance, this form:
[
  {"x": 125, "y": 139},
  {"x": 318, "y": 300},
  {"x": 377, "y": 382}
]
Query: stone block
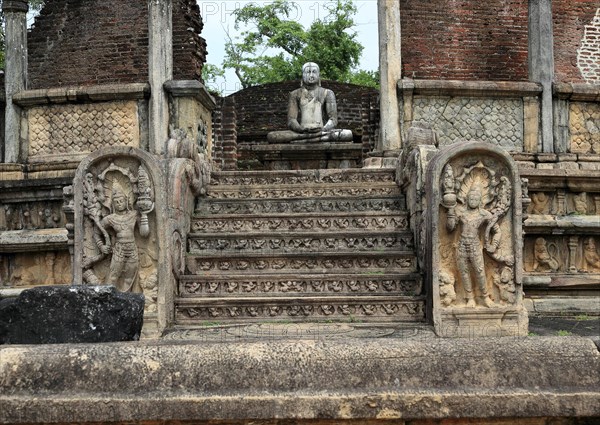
[
  {"x": 589, "y": 165},
  {"x": 66, "y": 314},
  {"x": 568, "y": 166},
  {"x": 545, "y": 166}
]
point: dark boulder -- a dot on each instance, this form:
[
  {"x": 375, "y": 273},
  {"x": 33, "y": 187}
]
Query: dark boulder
[{"x": 63, "y": 314}]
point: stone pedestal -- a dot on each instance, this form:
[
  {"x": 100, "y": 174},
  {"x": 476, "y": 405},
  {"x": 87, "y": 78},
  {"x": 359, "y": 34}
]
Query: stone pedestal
[{"x": 300, "y": 156}]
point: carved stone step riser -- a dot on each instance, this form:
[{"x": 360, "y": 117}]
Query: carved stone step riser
[
  {"x": 208, "y": 207},
  {"x": 354, "y": 310},
  {"x": 305, "y": 224},
  {"x": 279, "y": 243},
  {"x": 317, "y": 263},
  {"x": 302, "y": 177},
  {"x": 244, "y": 192},
  {"x": 279, "y": 286}
]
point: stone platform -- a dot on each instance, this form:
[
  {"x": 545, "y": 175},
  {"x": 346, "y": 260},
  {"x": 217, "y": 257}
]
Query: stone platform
[
  {"x": 300, "y": 155},
  {"x": 526, "y": 380}
]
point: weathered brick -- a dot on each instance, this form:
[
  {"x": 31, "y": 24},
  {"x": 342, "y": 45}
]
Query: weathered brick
[
  {"x": 466, "y": 40},
  {"x": 87, "y": 42}
]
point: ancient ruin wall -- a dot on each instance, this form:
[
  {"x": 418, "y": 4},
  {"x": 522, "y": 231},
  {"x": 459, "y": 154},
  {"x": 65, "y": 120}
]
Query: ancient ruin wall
[
  {"x": 576, "y": 40},
  {"x": 464, "y": 40},
  {"x": 248, "y": 115},
  {"x": 76, "y": 42},
  {"x": 189, "y": 49}
]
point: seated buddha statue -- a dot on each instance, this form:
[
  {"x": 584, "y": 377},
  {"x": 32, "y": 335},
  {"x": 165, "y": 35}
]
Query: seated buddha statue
[{"x": 307, "y": 109}]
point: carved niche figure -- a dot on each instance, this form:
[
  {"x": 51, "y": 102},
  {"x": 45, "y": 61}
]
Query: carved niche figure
[
  {"x": 543, "y": 260},
  {"x": 591, "y": 259},
  {"x": 307, "y": 109},
  {"x": 503, "y": 279},
  {"x": 116, "y": 202},
  {"x": 539, "y": 203},
  {"x": 479, "y": 204},
  {"x": 447, "y": 292},
  {"x": 580, "y": 202}
]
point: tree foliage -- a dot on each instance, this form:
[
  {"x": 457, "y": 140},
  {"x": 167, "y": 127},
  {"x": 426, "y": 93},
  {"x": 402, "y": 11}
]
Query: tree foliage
[
  {"x": 34, "y": 5},
  {"x": 276, "y": 46}
]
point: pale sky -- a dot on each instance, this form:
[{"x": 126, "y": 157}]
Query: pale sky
[{"x": 217, "y": 17}]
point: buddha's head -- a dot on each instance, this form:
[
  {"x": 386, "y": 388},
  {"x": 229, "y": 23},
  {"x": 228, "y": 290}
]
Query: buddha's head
[{"x": 311, "y": 74}]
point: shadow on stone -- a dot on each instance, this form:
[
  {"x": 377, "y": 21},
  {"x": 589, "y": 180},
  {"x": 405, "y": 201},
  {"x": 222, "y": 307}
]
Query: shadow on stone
[{"x": 71, "y": 314}]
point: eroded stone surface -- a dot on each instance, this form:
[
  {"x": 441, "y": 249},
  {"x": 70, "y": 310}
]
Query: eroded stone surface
[{"x": 302, "y": 379}]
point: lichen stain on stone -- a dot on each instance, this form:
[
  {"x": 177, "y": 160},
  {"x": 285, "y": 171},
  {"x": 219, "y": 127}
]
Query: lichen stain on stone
[
  {"x": 10, "y": 356},
  {"x": 345, "y": 411},
  {"x": 389, "y": 414}
]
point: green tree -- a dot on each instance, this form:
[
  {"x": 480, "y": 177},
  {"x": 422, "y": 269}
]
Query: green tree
[
  {"x": 34, "y": 5},
  {"x": 210, "y": 73},
  {"x": 277, "y": 46}
]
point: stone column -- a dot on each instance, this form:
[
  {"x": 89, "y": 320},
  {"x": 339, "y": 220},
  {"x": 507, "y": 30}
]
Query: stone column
[
  {"x": 15, "y": 14},
  {"x": 390, "y": 68},
  {"x": 541, "y": 64},
  {"x": 160, "y": 70}
]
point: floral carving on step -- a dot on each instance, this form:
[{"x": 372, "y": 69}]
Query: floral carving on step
[
  {"x": 404, "y": 309},
  {"x": 299, "y": 206},
  {"x": 403, "y": 286}
]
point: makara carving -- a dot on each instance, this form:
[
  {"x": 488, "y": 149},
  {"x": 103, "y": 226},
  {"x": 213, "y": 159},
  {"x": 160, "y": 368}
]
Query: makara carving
[{"x": 308, "y": 108}]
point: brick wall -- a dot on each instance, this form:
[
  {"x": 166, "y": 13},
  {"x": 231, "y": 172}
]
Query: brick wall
[
  {"x": 189, "y": 49},
  {"x": 465, "y": 39},
  {"x": 86, "y": 42},
  {"x": 248, "y": 115},
  {"x": 570, "y": 20}
]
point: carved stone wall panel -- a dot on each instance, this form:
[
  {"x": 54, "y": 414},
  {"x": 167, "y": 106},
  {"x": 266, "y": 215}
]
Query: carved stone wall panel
[
  {"x": 561, "y": 203},
  {"x": 584, "y": 126},
  {"x": 545, "y": 254},
  {"x": 380, "y": 310},
  {"x": 31, "y": 215},
  {"x": 287, "y": 206},
  {"x": 306, "y": 223},
  {"x": 33, "y": 269},
  {"x": 495, "y": 121},
  {"x": 474, "y": 241},
  {"x": 573, "y": 254},
  {"x": 284, "y": 243},
  {"x": 65, "y": 130},
  {"x": 203, "y": 265},
  {"x": 278, "y": 285}
]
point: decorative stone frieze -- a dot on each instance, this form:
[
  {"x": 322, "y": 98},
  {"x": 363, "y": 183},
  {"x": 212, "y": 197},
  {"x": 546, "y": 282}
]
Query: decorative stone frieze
[
  {"x": 382, "y": 310},
  {"x": 67, "y": 130},
  {"x": 584, "y": 125},
  {"x": 495, "y": 121},
  {"x": 474, "y": 252},
  {"x": 389, "y": 222}
]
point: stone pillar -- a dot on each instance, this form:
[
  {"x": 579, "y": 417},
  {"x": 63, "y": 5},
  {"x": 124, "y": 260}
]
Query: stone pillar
[
  {"x": 160, "y": 70},
  {"x": 390, "y": 68},
  {"x": 15, "y": 14},
  {"x": 541, "y": 65}
]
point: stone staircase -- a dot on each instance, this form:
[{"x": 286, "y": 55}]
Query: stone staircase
[{"x": 300, "y": 246}]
